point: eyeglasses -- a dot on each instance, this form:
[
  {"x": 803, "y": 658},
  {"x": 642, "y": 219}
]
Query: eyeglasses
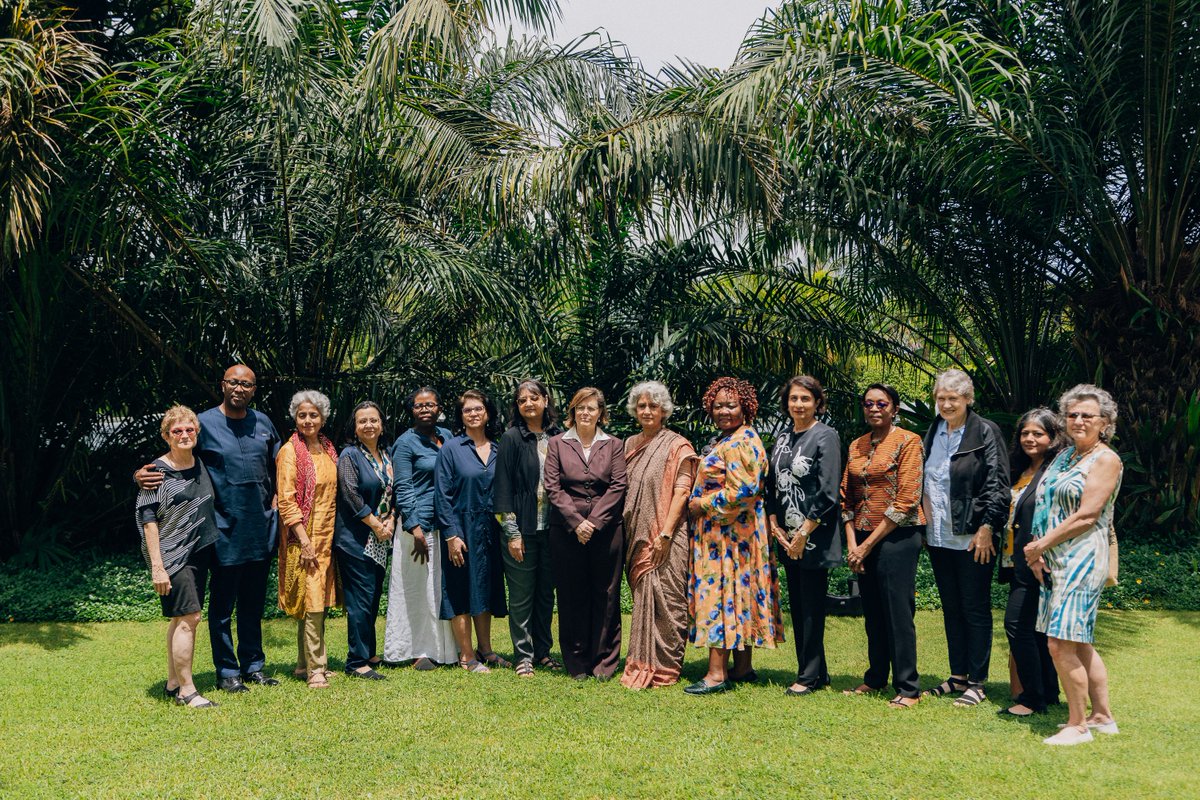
[
  {"x": 424, "y": 406},
  {"x": 1081, "y": 415},
  {"x": 473, "y": 410},
  {"x": 880, "y": 404},
  {"x": 235, "y": 384},
  {"x": 189, "y": 431}
]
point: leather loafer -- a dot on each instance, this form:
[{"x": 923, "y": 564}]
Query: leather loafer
[
  {"x": 232, "y": 685},
  {"x": 260, "y": 677},
  {"x": 369, "y": 675},
  {"x": 700, "y": 687},
  {"x": 750, "y": 676}
]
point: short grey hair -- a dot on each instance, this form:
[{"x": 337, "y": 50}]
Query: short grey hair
[
  {"x": 1087, "y": 391},
  {"x": 310, "y": 396},
  {"x": 659, "y": 396},
  {"x": 954, "y": 380}
]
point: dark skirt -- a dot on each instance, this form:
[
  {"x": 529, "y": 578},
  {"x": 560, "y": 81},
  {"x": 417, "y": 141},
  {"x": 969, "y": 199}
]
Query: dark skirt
[
  {"x": 477, "y": 587},
  {"x": 188, "y": 585}
]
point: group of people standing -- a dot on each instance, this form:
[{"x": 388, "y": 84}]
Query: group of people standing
[{"x": 563, "y": 512}]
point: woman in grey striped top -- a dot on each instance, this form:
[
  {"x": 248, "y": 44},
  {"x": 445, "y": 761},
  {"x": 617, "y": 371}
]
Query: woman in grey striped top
[{"x": 178, "y": 530}]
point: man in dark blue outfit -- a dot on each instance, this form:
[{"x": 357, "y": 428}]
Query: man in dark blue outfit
[{"x": 238, "y": 446}]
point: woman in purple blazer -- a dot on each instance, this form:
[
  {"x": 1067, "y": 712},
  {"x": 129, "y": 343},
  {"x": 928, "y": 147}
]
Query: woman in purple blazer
[{"x": 585, "y": 481}]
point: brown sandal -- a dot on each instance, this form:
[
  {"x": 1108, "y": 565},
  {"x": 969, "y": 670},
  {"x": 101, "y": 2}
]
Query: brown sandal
[
  {"x": 899, "y": 701},
  {"x": 474, "y": 665},
  {"x": 318, "y": 680}
]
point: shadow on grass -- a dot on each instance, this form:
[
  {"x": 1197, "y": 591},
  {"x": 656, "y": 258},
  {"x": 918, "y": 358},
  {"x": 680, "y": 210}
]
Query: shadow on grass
[{"x": 46, "y": 635}]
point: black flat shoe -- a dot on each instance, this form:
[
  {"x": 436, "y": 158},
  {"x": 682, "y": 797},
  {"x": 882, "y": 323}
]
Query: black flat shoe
[
  {"x": 700, "y": 687},
  {"x": 260, "y": 677},
  {"x": 749, "y": 677},
  {"x": 170, "y": 694},
  {"x": 369, "y": 675},
  {"x": 801, "y": 692},
  {"x": 232, "y": 685}
]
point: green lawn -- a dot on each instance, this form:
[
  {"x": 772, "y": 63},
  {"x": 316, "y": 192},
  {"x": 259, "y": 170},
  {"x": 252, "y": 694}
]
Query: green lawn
[{"x": 80, "y": 715}]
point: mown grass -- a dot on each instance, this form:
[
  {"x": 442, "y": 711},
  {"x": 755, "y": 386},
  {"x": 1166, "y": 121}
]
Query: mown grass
[{"x": 80, "y": 716}]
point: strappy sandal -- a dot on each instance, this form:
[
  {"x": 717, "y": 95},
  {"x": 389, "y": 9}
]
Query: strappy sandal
[
  {"x": 474, "y": 665},
  {"x": 546, "y": 662},
  {"x": 525, "y": 669},
  {"x": 951, "y": 685},
  {"x": 899, "y": 701},
  {"x": 186, "y": 700},
  {"x": 973, "y": 696},
  {"x": 317, "y": 680},
  {"x": 493, "y": 659}
]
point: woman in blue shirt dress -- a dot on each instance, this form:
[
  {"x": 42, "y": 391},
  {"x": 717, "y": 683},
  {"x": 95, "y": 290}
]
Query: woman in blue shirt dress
[{"x": 473, "y": 570}]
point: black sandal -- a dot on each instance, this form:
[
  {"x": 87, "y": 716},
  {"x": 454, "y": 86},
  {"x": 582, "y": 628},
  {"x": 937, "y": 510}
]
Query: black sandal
[
  {"x": 546, "y": 662},
  {"x": 186, "y": 700},
  {"x": 525, "y": 669},
  {"x": 973, "y": 696},
  {"x": 493, "y": 659},
  {"x": 951, "y": 685}
]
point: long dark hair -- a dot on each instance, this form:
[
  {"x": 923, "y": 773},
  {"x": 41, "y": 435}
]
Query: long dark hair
[
  {"x": 1048, "y": 421},
  {"x": 492, "y": 429},
  {"x": 549, "y": 415},
  {"x": 350, "y": 429}
]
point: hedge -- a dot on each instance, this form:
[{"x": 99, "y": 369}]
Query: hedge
[{"x": 111, "y": 588}]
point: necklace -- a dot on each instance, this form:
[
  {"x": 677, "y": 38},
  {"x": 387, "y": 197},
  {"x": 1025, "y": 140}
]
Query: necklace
[{"x": 1080, "y": 456}]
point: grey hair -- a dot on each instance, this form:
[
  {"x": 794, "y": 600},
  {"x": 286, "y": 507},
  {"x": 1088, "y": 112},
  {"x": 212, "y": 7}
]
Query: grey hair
[
  {"x": 1087, "y": 391},
  {"x": 659, "y": 395},
  {"x": 955, "y": 380},
  {"x": 310, "y": 396}
]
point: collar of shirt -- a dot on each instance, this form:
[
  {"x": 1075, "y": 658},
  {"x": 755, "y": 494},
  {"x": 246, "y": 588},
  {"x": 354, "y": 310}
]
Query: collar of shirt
[{"x": 572, "y": 435}]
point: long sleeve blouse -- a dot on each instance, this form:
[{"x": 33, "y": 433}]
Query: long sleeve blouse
[
  {"x": 883, "y": 479},
  {"x": 804, "y": 483},
  {"x": 413, "y": 460}
]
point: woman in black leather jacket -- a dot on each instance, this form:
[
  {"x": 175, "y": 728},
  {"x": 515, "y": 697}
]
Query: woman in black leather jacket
[{"x": 966, "y": 501}]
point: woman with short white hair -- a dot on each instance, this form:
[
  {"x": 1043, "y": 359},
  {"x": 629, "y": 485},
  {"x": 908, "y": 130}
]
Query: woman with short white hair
[
  {"x": 966, "y": 498},
  {"x": 661, "y": 468},
  {"x": 306, "y": 477},
  {"x": 1069, "y": 555}
]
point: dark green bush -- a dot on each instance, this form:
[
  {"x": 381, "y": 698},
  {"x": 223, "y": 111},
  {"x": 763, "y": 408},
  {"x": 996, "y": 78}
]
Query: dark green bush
[{"x": 112, "y": 588}]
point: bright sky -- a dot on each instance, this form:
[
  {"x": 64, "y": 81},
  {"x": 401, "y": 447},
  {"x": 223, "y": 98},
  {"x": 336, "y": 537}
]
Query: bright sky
[{"x": 707, "y": 32}]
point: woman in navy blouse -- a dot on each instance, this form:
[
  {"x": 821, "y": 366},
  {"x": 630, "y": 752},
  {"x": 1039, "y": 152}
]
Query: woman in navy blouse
[
  {"x": 363, "y": 534},
  {"x": 473, "y": 577}
]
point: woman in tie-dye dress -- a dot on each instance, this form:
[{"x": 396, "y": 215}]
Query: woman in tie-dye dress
[
  {"x": 733, "y": 594},
  {"x": 1069, "y": 555}
]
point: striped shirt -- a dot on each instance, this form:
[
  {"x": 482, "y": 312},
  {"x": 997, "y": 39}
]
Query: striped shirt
[{"x": 182, "y": 506}]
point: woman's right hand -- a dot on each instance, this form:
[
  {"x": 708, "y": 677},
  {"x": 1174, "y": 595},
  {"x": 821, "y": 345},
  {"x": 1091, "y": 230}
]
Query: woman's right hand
[
  {"x": 516, "y": 548},
  {"x": 420, "y": 551},
  {"x": 659, "y": 549},
  {"x": 458, "y": 550},
  {"x": 584, "y": 531},
  {"x": 162, "y": 581}
]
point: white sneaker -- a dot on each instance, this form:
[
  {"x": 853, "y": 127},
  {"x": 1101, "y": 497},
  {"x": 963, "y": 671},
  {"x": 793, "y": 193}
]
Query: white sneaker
[
  {"x": 1109, "y": 727},
  {"x": 1069, "y": 735}
]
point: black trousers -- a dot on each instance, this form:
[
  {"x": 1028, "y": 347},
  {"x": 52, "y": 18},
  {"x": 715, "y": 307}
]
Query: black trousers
[
  {"x": 1035, "y": 668},
  {"x": 888, "y": 586},
  {"x": 244, "y": 587},
  {"x": 362, "y": 588},
  {"x": 807, "y": 589},
  {"x": 587, "y": 578},
  {"x": 965, "y": 588}
]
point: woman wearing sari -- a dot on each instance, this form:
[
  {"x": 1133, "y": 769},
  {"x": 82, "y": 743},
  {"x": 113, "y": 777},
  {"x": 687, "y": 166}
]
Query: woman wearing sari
[{"x": 661, "y": 468}]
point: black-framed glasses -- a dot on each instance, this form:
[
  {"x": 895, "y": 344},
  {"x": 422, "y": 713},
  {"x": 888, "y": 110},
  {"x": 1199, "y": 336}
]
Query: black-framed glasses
[
  {"x": 880, "y": 404},
  {"x": 236, "y": 384},
  {"x": 424, "y": 406}
]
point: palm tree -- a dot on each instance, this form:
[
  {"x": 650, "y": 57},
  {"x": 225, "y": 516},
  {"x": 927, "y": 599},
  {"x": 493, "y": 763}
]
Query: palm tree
[{"x": 1018, "y": 174}]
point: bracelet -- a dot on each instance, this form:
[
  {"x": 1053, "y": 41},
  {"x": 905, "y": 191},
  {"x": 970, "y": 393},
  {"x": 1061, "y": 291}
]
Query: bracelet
[{"x": 664, "y": 535}]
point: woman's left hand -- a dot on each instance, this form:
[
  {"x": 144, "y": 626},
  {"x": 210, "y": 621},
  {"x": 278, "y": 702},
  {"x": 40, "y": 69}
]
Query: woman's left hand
[
  {"x": 797, "y": 545},
  {"x": 982, "y": 546},
  {"x": 696, "y": 506},
  {"x": 857, "y": 556},
  {"x": 658, "y": 550}
]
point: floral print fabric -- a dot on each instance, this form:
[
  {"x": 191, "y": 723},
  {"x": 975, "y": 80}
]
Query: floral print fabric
[{"x": 733, "y": 595}]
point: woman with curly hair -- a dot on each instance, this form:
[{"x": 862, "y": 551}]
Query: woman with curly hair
[{"x": 733, "y": 596}]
